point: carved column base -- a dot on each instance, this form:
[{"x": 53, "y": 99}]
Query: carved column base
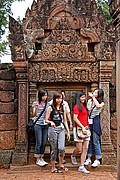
[
  {"x": 20, "y": 155},
  {"x": 108, "y": 153}
]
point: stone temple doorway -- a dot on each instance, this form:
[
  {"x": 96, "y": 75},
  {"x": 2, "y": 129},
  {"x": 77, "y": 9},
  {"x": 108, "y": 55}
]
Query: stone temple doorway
[
  {"x": 70, "y": 90},
  {"x": 61, "y": 45}
]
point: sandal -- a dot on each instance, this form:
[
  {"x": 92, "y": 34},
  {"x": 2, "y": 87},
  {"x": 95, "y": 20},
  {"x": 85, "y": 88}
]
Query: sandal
[
  {"x": 56, "y": 171},
  {"x": 64, "y": 168}
]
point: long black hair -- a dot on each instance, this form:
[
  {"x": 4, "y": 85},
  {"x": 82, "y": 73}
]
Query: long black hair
[
  {"x": 77, "y": 99},
  {"x": 56, "y": 95},
  {"x": 100, "y": 95},
  {"x": 41, "y": 93}
]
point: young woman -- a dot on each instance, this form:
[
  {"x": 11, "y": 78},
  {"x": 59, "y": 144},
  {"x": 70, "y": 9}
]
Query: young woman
[
  {"x": 81, "y": 120},
  {"x": 95, "y": 105},
  {"x": 41, "y": 128},
  {"x": 56, "y": 118}
]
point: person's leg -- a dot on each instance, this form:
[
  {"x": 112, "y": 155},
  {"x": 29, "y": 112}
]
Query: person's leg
[
  {"x": 76, "y": 150},
  {"x": 84, "y": 152},
  {"x": 90, "y": 151},
  {"x": 57, "y": 158},
  {"x": 90, "y": 147},
  {"x": 97, "y": 148},
  {"x": 43, "y": 144},
  {"x": 61, "y": 146},
  {"x": 83, "y": 147},
  {"x": 44, "y": 139},
  {"x": 38, "y": 141},
  {"x": 53, "y": 142}
]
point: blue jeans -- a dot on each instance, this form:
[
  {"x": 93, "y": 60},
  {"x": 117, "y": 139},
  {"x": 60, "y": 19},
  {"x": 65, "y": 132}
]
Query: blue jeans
[
  {"x": 41, "y": 134},
  {"x": 94, "y": 144}
]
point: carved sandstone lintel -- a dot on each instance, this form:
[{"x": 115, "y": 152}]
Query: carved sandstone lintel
[{"x": 63, "y": 71}]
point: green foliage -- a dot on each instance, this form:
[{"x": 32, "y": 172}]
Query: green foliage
[
  {"x": 5, "y": 10},
  {"x": 105, "y": 8}
]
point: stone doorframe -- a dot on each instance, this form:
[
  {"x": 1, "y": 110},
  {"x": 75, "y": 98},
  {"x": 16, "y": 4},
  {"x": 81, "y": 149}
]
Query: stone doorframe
[{"x": 20, "y": 156}]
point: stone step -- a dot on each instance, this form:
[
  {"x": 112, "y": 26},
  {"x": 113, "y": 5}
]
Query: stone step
[
  {"x": 68, "y": 152},
  {"x": 34, "y": 168}
]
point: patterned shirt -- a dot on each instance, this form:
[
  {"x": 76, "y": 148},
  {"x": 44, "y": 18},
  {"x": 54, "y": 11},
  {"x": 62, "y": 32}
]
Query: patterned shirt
[
  {"x": 41, "y": 120},
  {"x": 95, "y": 112}
]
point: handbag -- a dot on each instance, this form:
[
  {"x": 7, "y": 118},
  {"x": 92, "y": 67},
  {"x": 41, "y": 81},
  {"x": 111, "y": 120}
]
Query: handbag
[
  {"x": 30, "y": 126},
  {"x": 81, "y": 134},
  {"x": 31, "y": 123}
]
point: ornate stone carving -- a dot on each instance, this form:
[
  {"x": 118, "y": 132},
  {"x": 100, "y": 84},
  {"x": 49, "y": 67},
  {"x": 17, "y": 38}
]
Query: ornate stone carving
[
  {"x": 105, "y": 116},
  {"x": 64, "y": 71},
  {"x": 61, "y": 41},
  {"x": 106, "y": 68}
]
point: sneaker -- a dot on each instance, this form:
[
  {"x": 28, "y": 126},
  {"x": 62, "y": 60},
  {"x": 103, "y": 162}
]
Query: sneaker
[
  {"x": 87, "y": 162},
  {"x": 44, "y": 162},
  {"x": 96, "y": 163},
  {"x": 83, "y": 170},
  {"x": 73, "y": 160},
  {"x": 40, "y": 163}
]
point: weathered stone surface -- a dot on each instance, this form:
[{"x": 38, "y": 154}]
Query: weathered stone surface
[
  {"x": 4, "y": 66},
  {"x": 113, "y": 135},
  {"x": 7, "y": 139},
  {"x": 114, "y": 121},
  {"x": 8, "y": 122},
  {"x": 7, "y": 75},
  {"x": 6, "y": 96},
  {"x": 5, "y": 158},
  {"x": 7, "y": 85},
  {"x": 7, "y": 108},
  {"x": 112, "y": 99},
  {"x": 61, "y": 42}
]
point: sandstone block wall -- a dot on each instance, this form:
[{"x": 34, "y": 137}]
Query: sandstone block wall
[
  {"x": 8, "y": 114},
  {"x": 113, "y": 117}
]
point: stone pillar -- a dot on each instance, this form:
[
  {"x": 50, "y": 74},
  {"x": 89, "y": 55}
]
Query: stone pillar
[
  {"x": 114, "y": 7},
  {"x": 108, "y": 152},
  {"x": 20, "y": 155},
  {"x": 118, "y": 105}
]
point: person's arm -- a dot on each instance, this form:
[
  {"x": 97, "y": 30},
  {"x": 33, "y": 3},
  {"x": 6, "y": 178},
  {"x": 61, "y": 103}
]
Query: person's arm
[
  {"x": 49, "y": 110},
  {"x": 75, "y": 118},
  {"x": 68, "y": 114},
  {"x": 66, "y": 125},
  {"x": 69, "y": 118},
  {"x": 34, "y": 108},
  {"x": 97, "y": 104}
]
